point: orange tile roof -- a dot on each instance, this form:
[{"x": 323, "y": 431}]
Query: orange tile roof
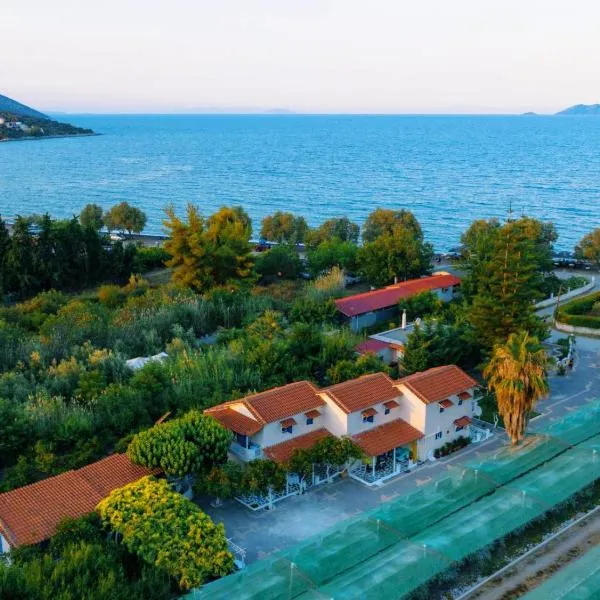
[
  {"x": 463, "y": 421},
  {"x": 312, "y": 414},
  {"x": 282, "y": 452},
  {"x": 385, "y": 437},
  {"x": 30, "y": 514},
  {"x": 392, "y": 294},
  {"x": 288, "y": 422},
  {"x": 363, "y": 392},
  {"x": 278, "y": 403},
  {"x": 446, "y": 403},
  {"x": 438, "y": 383},
  {"x": 465, "y": 395},
  {"x": 236, "y": 421},
  {"x": 391, "y": 404},
  {"x": 369, "y": 412}
]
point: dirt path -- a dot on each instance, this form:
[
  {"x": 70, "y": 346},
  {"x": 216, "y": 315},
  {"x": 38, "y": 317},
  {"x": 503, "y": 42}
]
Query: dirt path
[{"x": 538, "y": 566}]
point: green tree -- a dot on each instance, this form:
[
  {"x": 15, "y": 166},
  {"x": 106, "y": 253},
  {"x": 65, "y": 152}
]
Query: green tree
[
  {"x": 400, "y": 254},
  {"x": 260, "y": 476},
  {"x": 415, "y": 352},
  {"x": 191, "y": 444},
  {"x": 20, "y": 258},
  {"x": 125, "y": 217},
  {"x": 281, "y": 261},
  {"x": 332, "y": 253},
  {"x": 222, "y": 482},
  {"x": 421, "y": 305},
  {"x": 341, "y": 228},
  {"x": 92, "y": 216},
  {"x": 187, "y": 246},
  {"x": 227, "y": 235},
  {"x": 283, "y": 227},
  {"x": 505, "y": 298},
  {"x": 168, "y": 531},
  {"x": 383, "y": 221},
  {"x": 5, "y": 275},
  {"x": 517, "y": 374},
  {"x": 588, "y": 248}
]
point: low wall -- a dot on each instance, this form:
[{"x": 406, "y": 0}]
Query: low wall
[
  {"x": 568, "y": 296},
  {"x": 576, "y": 330}
]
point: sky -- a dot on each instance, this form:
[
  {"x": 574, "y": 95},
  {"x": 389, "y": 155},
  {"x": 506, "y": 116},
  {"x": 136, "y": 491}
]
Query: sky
[{"x": 314, "y": 56}]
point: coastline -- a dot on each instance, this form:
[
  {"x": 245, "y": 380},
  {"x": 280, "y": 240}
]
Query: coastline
[{"x": 48, "y": 137}]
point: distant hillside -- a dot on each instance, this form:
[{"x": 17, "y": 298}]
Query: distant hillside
[
  {"x": 18, "y": 122},
  {"x": 8, "y": 105},
  {"x": 582, "y": 109}
]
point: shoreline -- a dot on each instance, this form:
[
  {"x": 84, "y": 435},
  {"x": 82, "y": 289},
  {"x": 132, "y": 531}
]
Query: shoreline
[{"x": 30, "y": 138}]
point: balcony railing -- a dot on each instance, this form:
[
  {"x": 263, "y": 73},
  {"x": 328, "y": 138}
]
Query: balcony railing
[{"x": 253, "y": 451}]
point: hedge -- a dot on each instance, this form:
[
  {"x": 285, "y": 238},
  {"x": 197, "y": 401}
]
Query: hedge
[{"x": 575, "y": 312}]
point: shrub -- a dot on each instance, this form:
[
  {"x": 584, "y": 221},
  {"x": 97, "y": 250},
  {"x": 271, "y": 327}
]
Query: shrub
[{"x": 147, "y": 259}]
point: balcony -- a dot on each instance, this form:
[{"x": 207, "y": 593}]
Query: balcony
[{"x": 252, "y": 452}]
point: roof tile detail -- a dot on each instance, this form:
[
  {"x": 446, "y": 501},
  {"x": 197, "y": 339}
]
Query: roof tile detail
[
  {"x": 30, "y": 514},
  {"x": 288, "y": 422},
  {"x": 278, "y": 403},
  {"x": 369, "y": 412},
  {"x": 388, "y": 296},
  {"x": 446, "y": 403},
  {"x": 236, "y": 421},
  {"x": 438, "y": 383},
  {"x": 391, "y": 404},
  {"x": 363, "y": 392},
  {"x": 464, "y": 396},
  {"x": 312, "y": 414},
  {"x": 385, "y": 437},
  {"x": 282, "y": 452},
  {"x": 463, "y": 421}
]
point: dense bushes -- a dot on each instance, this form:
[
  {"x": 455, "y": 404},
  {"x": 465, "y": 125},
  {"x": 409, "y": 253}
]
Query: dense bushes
[
  {"x": 583, "y": 312},
  {"x": 450, "y": 447}
]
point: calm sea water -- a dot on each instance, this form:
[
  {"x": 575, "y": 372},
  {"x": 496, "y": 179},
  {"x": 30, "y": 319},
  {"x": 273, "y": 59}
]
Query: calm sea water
[{"x": 447, "y": 170}]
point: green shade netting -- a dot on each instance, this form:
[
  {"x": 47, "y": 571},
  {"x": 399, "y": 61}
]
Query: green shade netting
[
  {"x": 578, "y": 581},
  {"x": 390, "y": 551}
]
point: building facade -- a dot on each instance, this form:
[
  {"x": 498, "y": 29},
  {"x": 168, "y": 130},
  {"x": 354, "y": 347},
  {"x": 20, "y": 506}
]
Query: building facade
[{"x": 396, "y": 423}]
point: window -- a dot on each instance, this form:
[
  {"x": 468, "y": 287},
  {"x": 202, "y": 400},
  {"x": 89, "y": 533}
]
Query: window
[
  {"x": 441, "y": 409},
  {"x": 459, "y": 402},
  {"x": 368, "y": 419},
  {"x": 386, "y": 411},
  {"x": 444, "y": 290},
  {"x": 459, "y": 428},
  {"x": 287, "y": 429},
  {"x": 309, "y": 420},
  {"x": 438, "y": 435}
]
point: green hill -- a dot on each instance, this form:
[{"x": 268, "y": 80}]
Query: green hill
[
  {"x": 8, "y": 105},
  {"x": 18, "y": 122},
  {"x": 582, "y": 109}
]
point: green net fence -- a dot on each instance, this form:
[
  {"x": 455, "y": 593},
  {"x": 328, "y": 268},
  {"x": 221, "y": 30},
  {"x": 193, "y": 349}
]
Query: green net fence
[
  {"x": 578, "y": 581},
  {"x": 390, "y": 551}
]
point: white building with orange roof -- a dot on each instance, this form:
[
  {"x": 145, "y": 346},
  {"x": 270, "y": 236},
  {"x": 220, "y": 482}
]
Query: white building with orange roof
[{"x": 395, "y": 423}]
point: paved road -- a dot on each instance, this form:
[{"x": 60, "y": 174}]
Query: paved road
[{"x": 299, "y": 517}]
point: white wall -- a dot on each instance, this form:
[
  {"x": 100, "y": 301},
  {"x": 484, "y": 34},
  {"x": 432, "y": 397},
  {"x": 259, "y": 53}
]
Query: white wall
[
  {"x": 412, "y": 409},
  {"x": 4, "y": 545},
  {"x": 355, "y": 419},
  {"x": 334, "y": 418},
  {"x": 271, "y": 432}
]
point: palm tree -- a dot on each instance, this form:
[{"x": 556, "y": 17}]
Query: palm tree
[{"x": 516, "y": 372}]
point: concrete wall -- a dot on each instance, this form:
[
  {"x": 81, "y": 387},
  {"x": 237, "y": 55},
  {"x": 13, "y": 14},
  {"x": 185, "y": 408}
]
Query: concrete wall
[
  {"x": 355, "y": 419},
  {"x": 572, "y": 294},
  {"x": 412, "y": 409},
  {"x": 589, "y": 331},
  {"x": 271, "y": 433},
  {"x": 335, "y": 419}
]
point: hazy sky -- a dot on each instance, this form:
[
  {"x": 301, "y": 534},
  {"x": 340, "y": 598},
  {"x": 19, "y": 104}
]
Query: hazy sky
[{"x": 304, "y": 55}]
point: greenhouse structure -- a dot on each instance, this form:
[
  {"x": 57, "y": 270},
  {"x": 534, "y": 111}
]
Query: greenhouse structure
[{"x": 392, "y": 550}]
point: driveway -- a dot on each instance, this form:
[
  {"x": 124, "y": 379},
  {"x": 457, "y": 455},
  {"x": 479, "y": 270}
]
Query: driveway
[{"x": 299, "y": 517}]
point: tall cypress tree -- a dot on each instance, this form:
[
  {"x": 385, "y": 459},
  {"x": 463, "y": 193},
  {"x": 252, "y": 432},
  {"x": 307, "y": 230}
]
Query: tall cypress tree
[{"x": 4, "y": 248}]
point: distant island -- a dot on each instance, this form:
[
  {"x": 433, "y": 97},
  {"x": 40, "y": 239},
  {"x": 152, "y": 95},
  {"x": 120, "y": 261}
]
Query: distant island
[
  {"x": 18, "y": 122},
  {"x": 582, "y": 109}
]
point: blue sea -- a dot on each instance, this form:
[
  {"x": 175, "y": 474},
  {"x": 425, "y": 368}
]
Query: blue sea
[{"x": 448, "y": 170}]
